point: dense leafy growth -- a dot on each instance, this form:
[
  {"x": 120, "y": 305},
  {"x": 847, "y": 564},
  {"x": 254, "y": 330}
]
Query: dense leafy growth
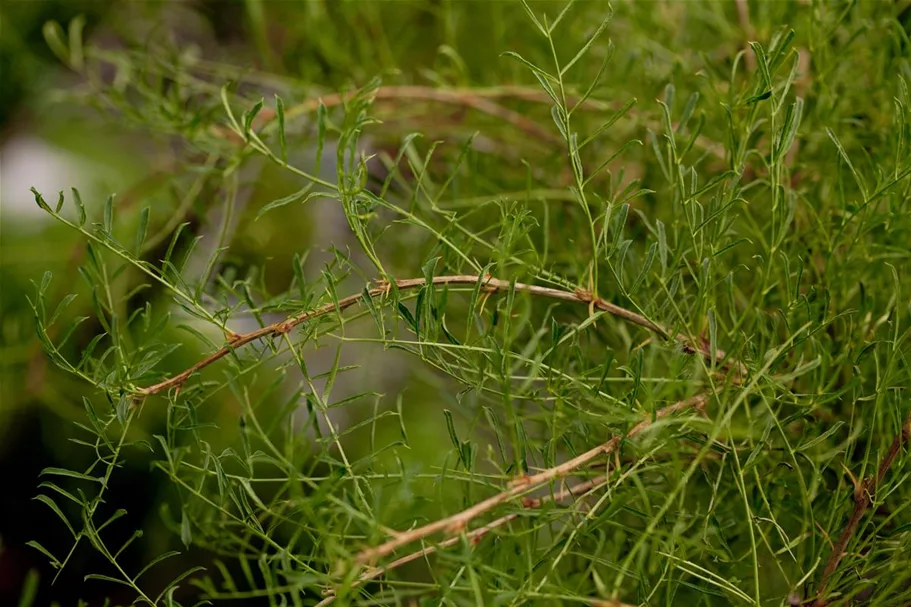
[{"x": 535, "y": 318}]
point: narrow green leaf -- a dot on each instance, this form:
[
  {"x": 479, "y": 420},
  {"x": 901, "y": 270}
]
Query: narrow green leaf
[
  {"x": 70, "y": 473},
  {"x": 609, "y": 122},
  {"x": 669, "y": 93},
  {"x": 174, "y": 238},
  {"x": 695, "y": 132},
  {"x": 53, "y": 506},
  {"x": 713, "y": 335},
  {"x": 142, "y": 229},
  {"x": 534, "y": 19},
  {"x": 106, "y": 578},
  {"x": 779, "y": 47},
  {"x": 757, "y": 451},
  {"x": 659, "y": 156},
  {"x": 282, "y": 140},
  {"x": 89, "y": 350},
  {"x": 585, "y": 47},
  {"x": 821, "y": 438},
  {"x": 321, "y": 118},
  {"x": 605, "y": 369},
  {"x": 757, "y": 98},
  {"x": 109, "y": 215},
  {"x": 135, "y": 536},
  {"x": 450, "y": 427},
  {"x": 304, "y": 195},
  {"x": 186, "y": 534},
  {"x": 398, "y": 409},
  {"x": 646, "y": 267},
  {"x": 198, "y": 334},
  {"x": 844, "y": 155},
  {"x": 621, "y": 251},
  {"x": 155, "y": 561},
  {"x": 55, "y": 562},
  {"x": 45, "y": 282},
  {"x": 251, "y": 115},
  {"x": 119, "y": 513},
  {"x": 763, "y": 63},
  {"x": 687, "y": 112},
  {"x": 662, "y": 244},
  {"x": 534, "y": 68},
  {"x": 53, "y": 35},
  {"x": 597, "y": 79},
  {"x": 173, "y": 583},
  {"x": 41, "y": 202},
  {"x": 794, "y": 116},
  {"x": 545, "y": 84},
  {"x": 63, "y": 492},
  {"x": 557, "y": 114},
  {"x": 224, "y": 101},
  {"x": 406, "y": 313},
  {"x": 559, "y": 18},
  {"x": 80, "y": 208},
  {"x": 74, "y": 324},
  {"x": 123, "y": 408},
  {"x": 619, "y": 223},
  {"x": 75, "y": 34},
  {"x": 187, "y": 255}
]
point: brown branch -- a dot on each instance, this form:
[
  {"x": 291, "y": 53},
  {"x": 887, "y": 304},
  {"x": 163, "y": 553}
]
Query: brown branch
[
  {"x": 863, "y": 498},
  {"x": 479, "y": 99},
  {"x": 473, "y": 536},
  {"x": 457, "y": 522},
  {"x": 476, "y": 99},
  {"x": 489, "y": 284}
]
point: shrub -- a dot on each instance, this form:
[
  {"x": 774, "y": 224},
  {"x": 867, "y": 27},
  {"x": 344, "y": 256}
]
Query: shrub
[{"x": 654, "y": 351}]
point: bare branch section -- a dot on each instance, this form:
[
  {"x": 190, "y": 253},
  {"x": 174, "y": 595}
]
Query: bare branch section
[
  {"x": 474, "y": 536},
  {"x": 490, "y": 284},
  {"x": 863, "y": 499},
  {"x": 456, "y": 523}
]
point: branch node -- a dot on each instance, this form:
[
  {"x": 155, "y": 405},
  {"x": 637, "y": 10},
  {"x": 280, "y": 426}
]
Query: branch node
[
  {"x": 521, "y": 481},
  {"x": 584, "y": 295},
  {"x": 456, "y": 528},
  {"x": 384, "y": 286}
]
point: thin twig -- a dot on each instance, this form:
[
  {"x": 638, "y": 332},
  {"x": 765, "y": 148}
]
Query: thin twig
[
  {"x": 490, "y": 284},
  {"x": 456, "y": 523},
  {"x": 474, "y": 536},
  {"x": 863, "y": 497}
]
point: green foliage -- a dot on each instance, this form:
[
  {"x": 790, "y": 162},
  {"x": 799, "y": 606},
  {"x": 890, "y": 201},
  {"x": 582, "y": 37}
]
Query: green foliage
[{"x": 645, "y": 205}]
